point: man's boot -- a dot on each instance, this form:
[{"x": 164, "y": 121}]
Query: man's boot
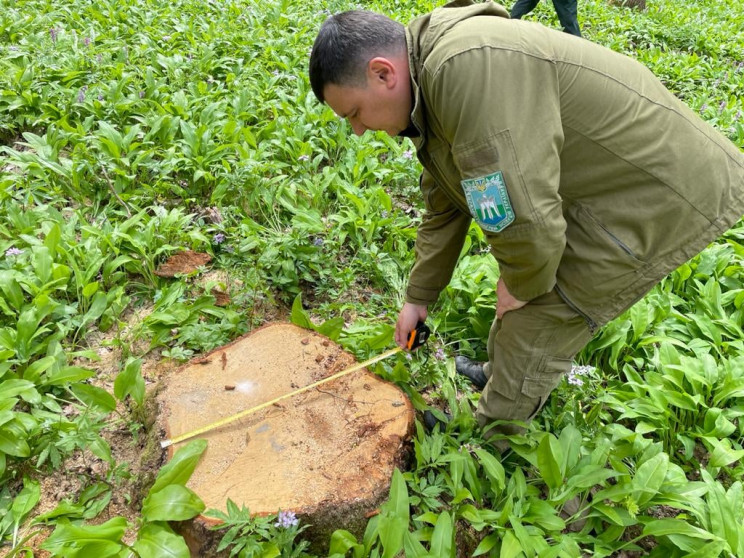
[{"x": 472, "y": 370}]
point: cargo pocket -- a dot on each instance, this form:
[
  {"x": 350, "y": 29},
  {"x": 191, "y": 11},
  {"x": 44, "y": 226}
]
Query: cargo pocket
[{"x": 537, "y": 389}]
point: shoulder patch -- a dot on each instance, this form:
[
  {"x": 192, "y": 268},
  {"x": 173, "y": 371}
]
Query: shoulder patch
[{"x": 489, "y": 201}]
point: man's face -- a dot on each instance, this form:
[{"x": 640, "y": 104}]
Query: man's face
[{"x": 383, "y": 104}]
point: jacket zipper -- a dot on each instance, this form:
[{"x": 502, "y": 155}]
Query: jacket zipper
[{"x": 591, "y": 323}]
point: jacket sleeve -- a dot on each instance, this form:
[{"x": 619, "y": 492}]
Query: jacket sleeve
[
  {"x": 439, "y": 240},
  {"x": 499, "y": 110}
]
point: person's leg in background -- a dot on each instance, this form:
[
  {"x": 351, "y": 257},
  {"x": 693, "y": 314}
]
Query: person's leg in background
[
  {"x": 567, "y": 11},
  {"x": 522, "y": 7}
]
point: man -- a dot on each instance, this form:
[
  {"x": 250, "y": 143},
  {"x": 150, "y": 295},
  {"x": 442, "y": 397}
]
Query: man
[
  {"x": 589, "y": 179},
  {"x": 566, "y": 10}
]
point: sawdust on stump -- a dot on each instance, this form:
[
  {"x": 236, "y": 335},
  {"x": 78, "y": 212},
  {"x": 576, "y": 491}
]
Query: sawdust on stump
[{"x": 327, "y": 454}]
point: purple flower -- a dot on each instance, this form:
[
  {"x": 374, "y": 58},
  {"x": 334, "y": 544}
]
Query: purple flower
[
  {"x": 439, "y": 354},
  {"x": 81, "y": 94},
  {"x": 286, "y": 520},
  {"x": 704, "y": 107},
  {"x": 219, "y": 238},
  {"x": 408, "y": 154},
  {"x": 722, "y": 106},
  {"x": 737, "y": 116},
  {"x": 53, "y": 34},
  {"x": 86, "y": 41},
  {"x": 303, "y": 158},
  {"x": 141, "y": 94},
  {"x": 384, "y": 214},
  {"x": 100, "y": 96},
  {"x": 13, "y": 252},
  {"x": 318, "y": 241}
]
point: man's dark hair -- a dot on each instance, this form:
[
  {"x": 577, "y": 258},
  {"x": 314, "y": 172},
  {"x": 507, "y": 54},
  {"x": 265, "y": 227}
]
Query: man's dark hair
[{"x": 346, "y": 43}]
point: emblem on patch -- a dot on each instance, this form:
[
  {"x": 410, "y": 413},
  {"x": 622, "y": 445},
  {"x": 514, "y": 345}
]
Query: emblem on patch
[{"x": 489, "y": 202}]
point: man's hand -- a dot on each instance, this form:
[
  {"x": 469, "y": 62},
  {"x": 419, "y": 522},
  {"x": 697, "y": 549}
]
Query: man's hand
[
  {"x": 410, "y": 315},
  {"x": 505, "y": 301}
]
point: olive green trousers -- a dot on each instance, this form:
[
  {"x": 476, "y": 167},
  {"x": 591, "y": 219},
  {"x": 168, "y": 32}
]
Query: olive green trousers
[{"x": 529, "y": 351}]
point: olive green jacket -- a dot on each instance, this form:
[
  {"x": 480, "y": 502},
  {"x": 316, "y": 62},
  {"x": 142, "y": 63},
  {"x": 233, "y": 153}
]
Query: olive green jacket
[{"x": 610, "y": 181}]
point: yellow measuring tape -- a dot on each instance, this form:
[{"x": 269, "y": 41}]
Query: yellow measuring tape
[{"x": 240, "y": 415}]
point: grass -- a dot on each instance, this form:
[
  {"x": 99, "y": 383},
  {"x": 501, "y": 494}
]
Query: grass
[{"x": 130, "y": 131}]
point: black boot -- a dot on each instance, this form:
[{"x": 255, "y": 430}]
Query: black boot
[
  {"x": 472, "y": 370},
  {"x": 431, "y": 421}
]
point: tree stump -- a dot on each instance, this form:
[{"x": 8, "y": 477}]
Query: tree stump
[{"x": 327, "y": 454}]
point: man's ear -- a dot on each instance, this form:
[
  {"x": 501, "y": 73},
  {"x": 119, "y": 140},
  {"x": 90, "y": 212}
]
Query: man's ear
[{"x": 382, "y": 71}]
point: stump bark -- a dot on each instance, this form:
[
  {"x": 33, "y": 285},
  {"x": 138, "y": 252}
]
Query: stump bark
[{"x": 327, "y": 454}]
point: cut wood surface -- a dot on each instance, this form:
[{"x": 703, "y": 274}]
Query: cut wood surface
[{"x": 327, "y": 454}]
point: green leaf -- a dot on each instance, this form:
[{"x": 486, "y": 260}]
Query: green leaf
[
  {"x": 172, "y": 503},
  {"x": 97, "y": 540},
  {"x": 510, "y": 546},
  {"x": 549, "y": 459},
  {"x": 299, "y": 316},
  {"x": 722, "y": 454},
  {"x": 95, "y": 397},
  {"x": 181, "y": 466},
  {"x": 342, "y": 541},
  {"x": 649, "y": 478},
  {"x": 661, "y": 527},
  {"x": 12, "y": 444},
  {"x": 394, "y": 517},
  {"x": 130, "y": 382},
  {"x": 26, "y": 500},
  {"x": 493, "y": 468},
  {"x": 66, "y": 375},
  {"x": 443, "y": 537},
  {"x": 13, "y": 388},
  {"x": 486, "y": 544},
  {"x": 159, "y": 541}
]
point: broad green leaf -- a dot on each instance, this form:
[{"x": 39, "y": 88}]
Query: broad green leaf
[
  {"x": 95, "y": 397},
  {"x": 159, "y": 541},
  {"x": 332, "y": 328},
  {"x": 66, "y": 375},
  {"x": 181, "y": 466},
  {"x": 14, "y": 388},
  {"x": 172, "y": 503},
  {"x": 649, "y": 477},
  {"x": 42, "y": 263},
  {"x": 486, "y": 544},
  {"x": 413, "y": 548},
  {"x": 12, "y": 444},
  {"x": 570, "y": 442},
  {"x": 443, "y": 537},
  {"x": 493, "y": 468},
  {"x": 725, "y": 521},
  {"x": 103, "y": 539},
  {"x": 549, "y": 459},
  {"x": 661, "y": 527},
  {"x": 130, "y": 382},
  {"x": 342, "y": 541},
  {"x": 26, "y": 500},
  {"x": 394, "y": 517},
  {"x": 299, "y": 316},
  {"x": 709, "y": 550},
  {"x": 510, "y": 546},
  {"x": 722, "y": 454}
]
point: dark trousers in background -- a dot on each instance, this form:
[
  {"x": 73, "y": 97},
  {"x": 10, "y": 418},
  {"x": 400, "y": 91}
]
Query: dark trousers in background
[{"x": 566, "y": 10}]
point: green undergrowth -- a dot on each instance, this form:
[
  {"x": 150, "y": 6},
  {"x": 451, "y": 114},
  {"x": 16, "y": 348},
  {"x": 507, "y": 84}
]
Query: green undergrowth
[{"x": 133, "y": 130}]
